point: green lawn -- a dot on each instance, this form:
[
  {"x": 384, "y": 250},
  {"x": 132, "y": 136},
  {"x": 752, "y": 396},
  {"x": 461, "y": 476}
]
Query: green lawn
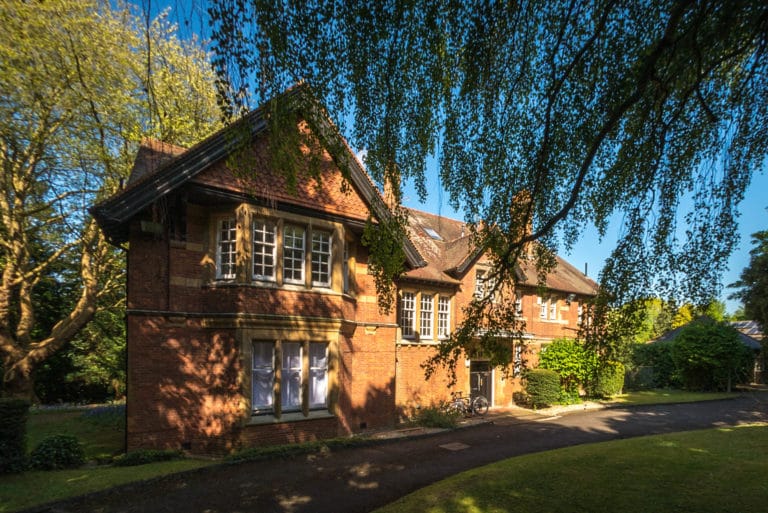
[
  {"x": 661, "y": 396},
  {"x": 717, "y": 471},
  {"x": 101, "y": 430}
]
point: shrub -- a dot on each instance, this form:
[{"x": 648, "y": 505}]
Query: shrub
[
  {"x": 58, "y": 452},
  {"x": 144, "y": 456},
  {"x": 609, "y": 380},
  {"x": 657, "y": 356},
  {"x": 542, "y": 387},
  {"x": 709, "y": 355},
  {"x": 13, "y": 433},
  {"x": 436, "y": 417},
  {"x": 571, "y": 360}
]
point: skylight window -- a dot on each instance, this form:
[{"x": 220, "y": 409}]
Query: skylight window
[{"x": 432, "y": 233}]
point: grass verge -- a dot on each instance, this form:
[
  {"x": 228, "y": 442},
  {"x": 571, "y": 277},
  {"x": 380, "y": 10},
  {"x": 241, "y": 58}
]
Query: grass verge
[
  {"x": 716, "y": 470},
  {"x": 662, "y": 396},
  {"x": 29, "y": 489}
]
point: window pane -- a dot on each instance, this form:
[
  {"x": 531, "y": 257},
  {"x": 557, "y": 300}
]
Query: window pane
[
  {"x": 293, "y": 254},
  {"x": 407, "y": 313},
  {"x": 263, "y": 250},
  {"x": 321, "y": 258},
  {"x": 225, "y": 249},
  {"x": 443, "y": 316},
  {"x": 426, "y": 316},
  {"x": 290, "y": 383},
  {"x": 263, "y": 376},
  {"x": 318, "y": 375}
]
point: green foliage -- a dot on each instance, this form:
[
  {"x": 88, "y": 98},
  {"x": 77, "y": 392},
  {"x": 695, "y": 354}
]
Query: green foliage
[
  {"x": 83, "y": 82},
  {"x": 144, "y": 456},
  {"x": 534, "y": 97},
  {"x": 13, "y": 432},
  {"x": 708, "y": 355},
  {"x": 658, "y": 358},
  {"x": 574, "y": 363},
  {"x": 437, "y": 417},
  {"x": 753, "y": 282},
  {"x": 609, "y": 380},
  {"x": 57, "y": 452},
  {"x": 387, "y": 258},
  {"x": 542, "y": 387}
]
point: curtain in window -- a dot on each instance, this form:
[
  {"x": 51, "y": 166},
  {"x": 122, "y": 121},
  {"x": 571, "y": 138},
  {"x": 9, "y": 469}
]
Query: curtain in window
[
  {"x": 290, "y": 385},
  {"x": 263, "y": 377}
]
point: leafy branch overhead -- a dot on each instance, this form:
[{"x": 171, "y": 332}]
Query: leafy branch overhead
[{"x": 595, "y": 110}]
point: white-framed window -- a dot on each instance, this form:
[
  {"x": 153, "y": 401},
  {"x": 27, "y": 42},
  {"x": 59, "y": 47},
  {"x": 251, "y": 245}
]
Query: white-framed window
[
  {"x": 408, "y": 314},
  {"x": 443, "y": 316},
  {"x": 518, "y": 306},
  {"x": 290, "y": 376},
  {"x": 264, "y": 250},
  {"x": 294, "y": 368},
  {"x": 318, "y": 375},
  {"x": 426, "y": 315},
  {"x": 553, "y": 309},
  {"x": 542, "y": 307},
  {"x": 226, "y": 249},
  {"x": 321, "y": 258},
  {"x": 517, "y": 361},
  {"x": 293, "y": 254},
  {"x": 479, "y": 284},
  {"x": 580, "y": 316},
  {"x": 262, "y": 376}
]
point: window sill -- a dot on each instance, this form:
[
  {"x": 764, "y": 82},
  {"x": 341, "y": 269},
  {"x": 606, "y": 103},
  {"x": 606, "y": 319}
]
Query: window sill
[
  {"x": 294, "y": 416},
  {"x": 412, "y": 342}
]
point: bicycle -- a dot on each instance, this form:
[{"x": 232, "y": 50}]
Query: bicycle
[{"x": 468, "y": 406}]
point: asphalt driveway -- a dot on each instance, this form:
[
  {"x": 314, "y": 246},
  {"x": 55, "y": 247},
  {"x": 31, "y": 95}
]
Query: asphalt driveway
[{"x": 362, "y": 479}]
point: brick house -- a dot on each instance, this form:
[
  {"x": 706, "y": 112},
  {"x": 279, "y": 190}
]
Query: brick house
[{"x": 251, "y": 318}]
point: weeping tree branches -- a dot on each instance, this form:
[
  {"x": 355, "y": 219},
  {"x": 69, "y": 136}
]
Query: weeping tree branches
[{"x": 597, "y": 110}]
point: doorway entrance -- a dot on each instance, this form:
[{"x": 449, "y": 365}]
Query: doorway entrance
[{"x": 480, "y": 380}]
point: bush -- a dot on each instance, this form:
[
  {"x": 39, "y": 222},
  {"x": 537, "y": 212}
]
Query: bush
[
  {"x": 609, "y": 380},
  {"x": 574, "y": 363},
  {"x": 436, "y": 417},
  {"x": 13, "y": 434},
  {"x": 144, "y": 456},
  {"x": 709, "y": 355},
  {"x": 58, "y": 452},
  {"x": 657, "y": 356},
  {"x": 542, "y": 387}
]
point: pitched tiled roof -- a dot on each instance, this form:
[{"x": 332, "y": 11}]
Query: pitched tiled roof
[
  {"x": 446, "y": 245},
  {"x": 745, "y": 339},
  {"x": 163, "y": 168},
  {"x": 749, "y": 328}
]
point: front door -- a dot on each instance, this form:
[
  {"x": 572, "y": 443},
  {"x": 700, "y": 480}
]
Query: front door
[{"x": 480, "y": 380}]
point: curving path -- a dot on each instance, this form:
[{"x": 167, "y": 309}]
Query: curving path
[{"x": 360, "y": 480}]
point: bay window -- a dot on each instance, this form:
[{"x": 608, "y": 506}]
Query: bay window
[
  {"x": 288, "y": 376},
  {"x": 226, "y": 249},
  {"x": 264, "y": 250},
  {"x": 425, "y": 314}
]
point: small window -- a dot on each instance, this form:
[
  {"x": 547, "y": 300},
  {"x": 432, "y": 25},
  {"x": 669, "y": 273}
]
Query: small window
[
  {"x": 226, "y": 249},
  {"x": 408, "y": 313},
  {"x": 293, "y": 254},
  {"x": 443, "y": 317},
  {"x": 321, "y": 259},
  {"x": 517, "y": 362},
  {"x": 433, "y": 234},
  {"x": 263, "y": 250},
  {"x": 580, "y": 317},
  {"x": 518, "y": 306},
  {"x": 426, "y": 316},
  {"x": 553, "y": 309},
  {"x": 479, "y": 284},
  {"x": 542, "y": 308}
]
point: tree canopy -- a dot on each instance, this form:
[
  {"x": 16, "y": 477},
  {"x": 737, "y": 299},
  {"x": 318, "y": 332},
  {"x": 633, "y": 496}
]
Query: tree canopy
[
  {"x": 80, "y": 84},
  {"x": 753, "y": 282},
  {"x": 592, "y": 109}
]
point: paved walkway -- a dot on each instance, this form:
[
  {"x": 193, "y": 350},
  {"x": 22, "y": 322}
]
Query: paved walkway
[{"x": 360, "y": 480}]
